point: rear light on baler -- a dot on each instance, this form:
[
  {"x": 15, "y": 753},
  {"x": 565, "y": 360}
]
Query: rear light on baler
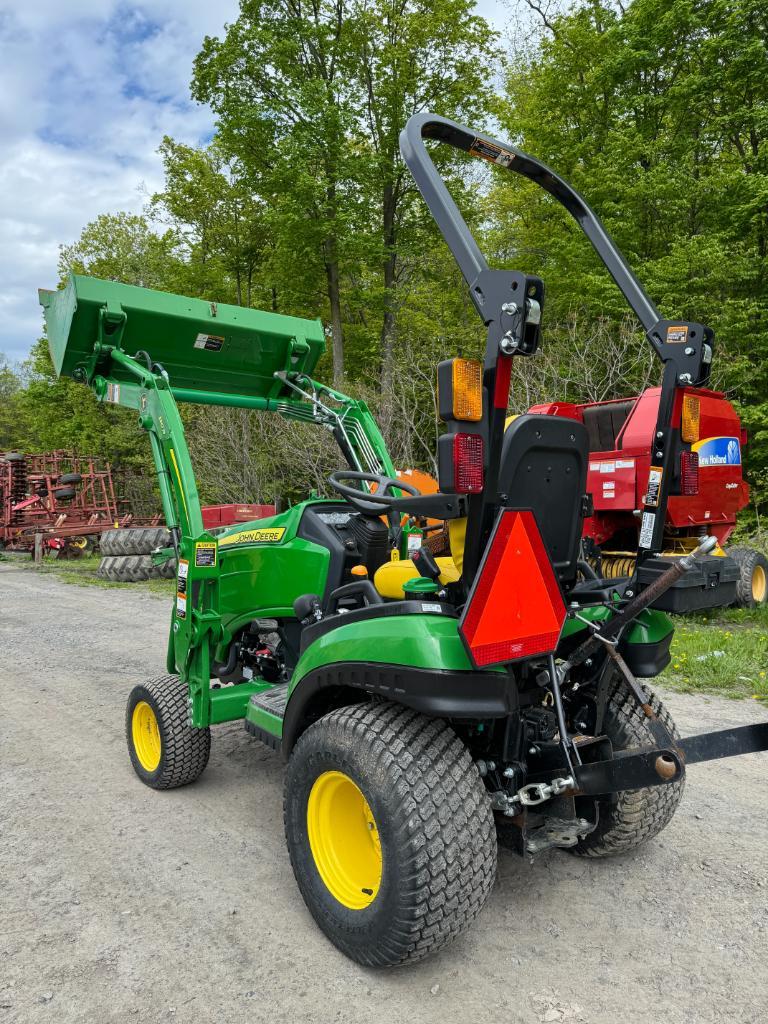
[
  {"x": 460, "y": 463},
  {"x": 689, "y": 473},
  {"x": 691, "y": 418}
]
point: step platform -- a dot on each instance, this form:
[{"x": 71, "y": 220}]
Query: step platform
[{"x": 264, "y": 715}]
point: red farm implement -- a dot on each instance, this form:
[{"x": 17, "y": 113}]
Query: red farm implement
[
  {"x": 706, "y": 492},
  {"x": 69, "y": 499}
]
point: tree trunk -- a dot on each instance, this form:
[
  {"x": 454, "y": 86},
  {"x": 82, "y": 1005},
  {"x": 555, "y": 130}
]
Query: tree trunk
[
  {"x": 334, "y": 299},
  {"x": 389, "y": 324}
]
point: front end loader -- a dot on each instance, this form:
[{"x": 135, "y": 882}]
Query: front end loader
[{"x": 426, "y": 707}]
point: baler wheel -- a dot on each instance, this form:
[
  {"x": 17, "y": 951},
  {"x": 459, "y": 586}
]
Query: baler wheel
[
  {"x": 390, "y": 832},
  {"x": 631, "y": 817},
  {"x": 752, "y": 588},
  {"x": 165, "y": 751}
]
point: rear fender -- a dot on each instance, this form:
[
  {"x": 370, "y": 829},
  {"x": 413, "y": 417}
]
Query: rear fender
[{"x": 416, "y": 660}]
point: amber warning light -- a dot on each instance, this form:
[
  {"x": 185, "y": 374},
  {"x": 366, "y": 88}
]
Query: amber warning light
[{"x": 515, "y": 609}]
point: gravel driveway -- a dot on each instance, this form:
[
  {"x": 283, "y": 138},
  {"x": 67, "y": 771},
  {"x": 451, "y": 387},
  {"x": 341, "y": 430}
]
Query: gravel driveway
[{"x": 123, "y": 904}]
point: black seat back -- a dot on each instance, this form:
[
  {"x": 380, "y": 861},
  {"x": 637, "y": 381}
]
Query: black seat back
[{"x": 544, "y": 468}]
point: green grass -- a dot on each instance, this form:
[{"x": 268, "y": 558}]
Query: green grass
[
  {"x": 82, "y": 572},
  {"x": 723, "y": 651}
]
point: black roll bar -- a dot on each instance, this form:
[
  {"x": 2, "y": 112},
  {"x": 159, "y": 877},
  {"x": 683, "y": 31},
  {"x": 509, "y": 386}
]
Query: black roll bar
[
  {"x": 454, "y": 229},
  {"x": 684, "y": 347}
]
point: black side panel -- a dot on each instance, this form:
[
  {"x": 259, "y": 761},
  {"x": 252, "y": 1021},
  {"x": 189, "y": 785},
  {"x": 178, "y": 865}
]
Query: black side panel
[
  {"x": 313, "y": 528},
  {"x": 544, "y": 468},
  {"x": 604, "y": 423},
  {"x": 465, "y": 695}
]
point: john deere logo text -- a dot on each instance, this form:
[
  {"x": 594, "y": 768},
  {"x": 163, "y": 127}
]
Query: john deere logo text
[
  {"x": 266, "y": 535},
  {"x": 718, "y": 451}
]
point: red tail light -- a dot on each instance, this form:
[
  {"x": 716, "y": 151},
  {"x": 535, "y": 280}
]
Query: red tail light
[
  {"x": 689, "y": 473},
  {"x": 460, "y": 463},
  {"x": 468, "y": 463}
]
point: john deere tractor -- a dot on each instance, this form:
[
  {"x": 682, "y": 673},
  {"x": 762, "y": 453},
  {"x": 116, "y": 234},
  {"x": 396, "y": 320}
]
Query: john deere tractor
[{"x": 426, "y": 706}]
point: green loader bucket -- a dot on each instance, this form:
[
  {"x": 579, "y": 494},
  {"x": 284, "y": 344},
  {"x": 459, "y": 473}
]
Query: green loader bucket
[{"x": 203, "y": 346}]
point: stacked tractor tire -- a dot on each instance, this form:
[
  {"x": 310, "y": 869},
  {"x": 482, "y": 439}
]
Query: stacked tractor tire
[{"x": 127, "y": 555}]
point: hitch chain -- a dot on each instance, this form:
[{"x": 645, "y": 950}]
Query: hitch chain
[{"x": 530, "y": 796}]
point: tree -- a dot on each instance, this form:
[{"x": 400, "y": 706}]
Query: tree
[
  {"x": 411, "y": 56},
  {"x": 124, "y": 247},
  {"x": 277, "y": 84},
  {"x": 656, "y": 113}
]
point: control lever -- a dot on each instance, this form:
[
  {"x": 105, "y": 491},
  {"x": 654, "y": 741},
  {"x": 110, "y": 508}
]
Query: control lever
[{"x": 426, "y": 563}]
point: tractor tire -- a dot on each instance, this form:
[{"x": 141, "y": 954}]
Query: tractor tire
[
  {"x": 166, "y": 752},
  {"x": 134, "y": 569},
  {"x": 752, "y": 587},
  {"x": 630, "y": 818},
  {"x": 70, "y": 478},
  {"x": 390, "y": 832},
  {"x": 136, "y": 541}
]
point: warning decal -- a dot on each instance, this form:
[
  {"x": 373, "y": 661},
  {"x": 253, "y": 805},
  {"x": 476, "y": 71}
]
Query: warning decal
[
  {"x": 211, "y": 342},
  {"x": 677, "y": 335},
  {"x": 654, "y": 486},
  {"x": 646, "y": 530},
  {"x": 113, "y": 393},
  {"x": 205, "y": 554},
  {"x": 266, "y": 535},
  {"x": 181, "y": 588},
  {"x": 492, "y": 152}
]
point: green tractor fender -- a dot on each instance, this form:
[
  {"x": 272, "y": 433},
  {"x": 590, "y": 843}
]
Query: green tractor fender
[{"x": 416, "y": 659}]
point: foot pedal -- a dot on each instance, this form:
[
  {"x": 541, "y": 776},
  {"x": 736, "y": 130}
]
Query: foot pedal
[{"x": 265, "y": 713}]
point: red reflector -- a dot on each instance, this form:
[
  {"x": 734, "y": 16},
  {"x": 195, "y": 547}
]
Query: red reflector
[
  {"x": 515, "y": 609},
  {"x": 689, "y": 473},
  {"x": 468, "y": 463}
]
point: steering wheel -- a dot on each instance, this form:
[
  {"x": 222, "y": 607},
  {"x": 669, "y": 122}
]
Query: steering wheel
[{"x": 372, "y": 504}]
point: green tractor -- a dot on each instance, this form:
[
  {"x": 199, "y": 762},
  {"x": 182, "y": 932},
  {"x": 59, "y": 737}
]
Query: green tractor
[{"x": 426, "y": 707}]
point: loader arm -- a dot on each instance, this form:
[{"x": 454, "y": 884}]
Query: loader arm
[{"x": 190, "y": 350}]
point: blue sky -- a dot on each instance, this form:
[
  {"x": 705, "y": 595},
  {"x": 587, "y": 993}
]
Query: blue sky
[{"x": 88, "y": 88}]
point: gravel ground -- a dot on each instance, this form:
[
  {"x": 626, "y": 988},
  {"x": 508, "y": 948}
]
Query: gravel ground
[{"x": 122, "y": 904}]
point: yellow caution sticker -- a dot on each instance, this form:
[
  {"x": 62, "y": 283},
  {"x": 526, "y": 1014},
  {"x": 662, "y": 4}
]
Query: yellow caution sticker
[
  {"x": 205, "y": 554},
  {"x": 265, "y": 535}
]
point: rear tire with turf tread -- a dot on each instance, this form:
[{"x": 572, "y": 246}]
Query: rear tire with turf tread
[
  {"x": 134, "y": 541},
  {"x": 631, "y": 818},
  {"x": 752, "y": 585},
  {"x": 434, "y": 822},
  {"x": 185, "y": 751}
]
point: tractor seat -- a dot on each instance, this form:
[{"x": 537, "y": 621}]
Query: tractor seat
[{"x": 390, "y": 577}]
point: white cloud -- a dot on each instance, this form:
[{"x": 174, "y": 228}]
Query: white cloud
[
  {"x": 88, "y": 88},
  {"x": 87, "y": 91}
]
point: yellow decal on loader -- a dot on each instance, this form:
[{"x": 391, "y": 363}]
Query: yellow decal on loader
[{"x": 266, "y": 535}]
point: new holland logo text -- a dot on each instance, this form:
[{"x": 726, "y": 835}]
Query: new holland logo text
[{"x": 718, "y": 451}]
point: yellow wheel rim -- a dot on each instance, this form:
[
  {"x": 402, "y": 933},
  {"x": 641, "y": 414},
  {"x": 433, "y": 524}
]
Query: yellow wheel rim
[
  {"x": 759, "y": 584},
  {"x": 146, "y": 736},
  {"x": 344, "y": 840},
  {"x": 79, "y": 542}
]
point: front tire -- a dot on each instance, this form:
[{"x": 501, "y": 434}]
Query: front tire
[
  {"x": 390, "y": 832},
  {"x": 165, "y": 751}
]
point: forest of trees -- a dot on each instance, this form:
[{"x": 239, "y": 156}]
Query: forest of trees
[{"x": 656, "y": 110}]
